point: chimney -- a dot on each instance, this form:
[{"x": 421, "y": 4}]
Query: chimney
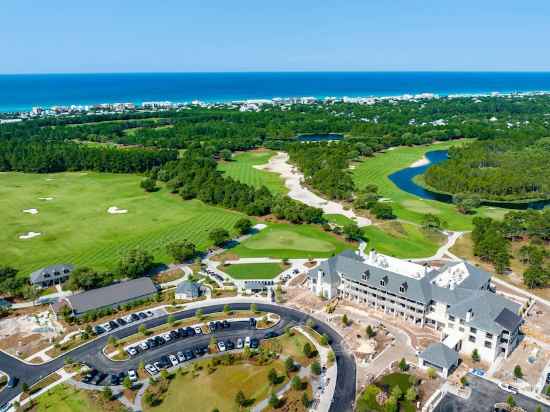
[
  {"x": 372, "y": 255},
  {"x": 469, "y": 315}
]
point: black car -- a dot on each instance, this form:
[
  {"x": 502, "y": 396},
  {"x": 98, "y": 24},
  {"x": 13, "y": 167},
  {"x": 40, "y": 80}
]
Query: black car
[
  {"x": 113, "y": 380},
  {"x": 252, "y": 322},
  {"x": 174, "y": 334},
  {"x": 152, "y": 343},
  {"x": 113, "y": 324},
  {"x": 12, "y": 382},
  {"x": 98, "y": 378},
  {"x": 121, "y": 322},
  {"x": 219, "y": 325},
  {"x": 270, "y": 335},
  {"x": 189, "y": 355},
  {"x": 190, "y": 331},
  {"x": 182, "y": 332},
  {"x": 160, "y": 340},
  {"x": 165, "y": 362},
  {"x": 254, "y": 343},
  {"x": 212, "y": 326},
  {"x": 226, "y": 324},
  {"x": 98, "y": 330},
  {"x": 89, "y": 376},
  {"x": 229, "y": 345},
  {"x": 197, "y": 351},
  {"x": 137, "y": 317}
]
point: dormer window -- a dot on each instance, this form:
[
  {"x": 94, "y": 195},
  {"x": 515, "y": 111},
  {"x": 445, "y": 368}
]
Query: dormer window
[
  {"x": 382, "y": 282},
  {"x": 365, "y": 275},
  {"x": 403, "y": 287},
  {"x": 46, "y": 275}
]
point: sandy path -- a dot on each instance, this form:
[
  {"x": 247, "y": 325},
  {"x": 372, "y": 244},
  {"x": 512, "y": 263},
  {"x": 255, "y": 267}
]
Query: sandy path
[{"x": 293, "y": 181}]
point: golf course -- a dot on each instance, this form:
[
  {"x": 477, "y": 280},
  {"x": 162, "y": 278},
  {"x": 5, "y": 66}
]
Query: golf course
[
  {"x": 406, "y": 206},
  {"x": 253, "y": 270},
  {"x": 71, "y": 215},
  {"x": 242, "y": 168}
]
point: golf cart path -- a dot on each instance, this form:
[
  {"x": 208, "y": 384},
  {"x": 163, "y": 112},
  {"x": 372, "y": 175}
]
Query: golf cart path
[{"x": 293, "y": 181}]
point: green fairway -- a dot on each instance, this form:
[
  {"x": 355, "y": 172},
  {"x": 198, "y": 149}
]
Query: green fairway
[
  {"x": 242, "y": 168},
  {"x": 76, "y": 227},
  {"x": 406, "y": 206},
  {"x": 65, "y": 398},
  {"x": 291, "y": 241},
  {"x": 403, "y": 240},
  {"x": 340, "y": 220},
  {"x": 253, "y": 270}
]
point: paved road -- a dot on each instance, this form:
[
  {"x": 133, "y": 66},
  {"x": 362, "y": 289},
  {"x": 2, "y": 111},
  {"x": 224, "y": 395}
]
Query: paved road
[
  {"x": 92, "y": 352},
  {"x": 484, "y": 396}
]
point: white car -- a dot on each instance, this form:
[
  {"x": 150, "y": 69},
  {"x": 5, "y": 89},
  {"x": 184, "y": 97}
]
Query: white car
[
  {"x": 149, "y": 313},
  {"x": 198, "y": 330},
  {"x": 132, "y": 375},
  {"x": 240, "y": 343},
  {"x": 144, "y": 346},
  {"x": 181, "y": 356},
  {"x": 173, "y": 360},
  {"x": 221, "y": 346},
  {"x": 508, "y": 388},
  {"x": 129, "y": 319},
  {"x": 107, "y": 327},
  {"x": 247, "y": 342},
  {"x": 132, "y": 351},
  {"x": 151, "y": 370},
  {"x": 167, "y": 337}
]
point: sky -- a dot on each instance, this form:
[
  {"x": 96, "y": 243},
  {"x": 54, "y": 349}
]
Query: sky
[{"x": 67, "y": 36}]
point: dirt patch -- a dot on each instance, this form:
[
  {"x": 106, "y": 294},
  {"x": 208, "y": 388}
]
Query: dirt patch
[
  {"x": 168, "y": 275},
  {"x": 531, "y": 357}
]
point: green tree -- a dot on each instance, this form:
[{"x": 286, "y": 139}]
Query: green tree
[
  {"x": 243, "y": 226},
  {"x": 511, "y": 401},
  {"x": 289, "y": 364},
  {"x": 331, "y": 357},
  {"x": 396, "y": 392},
  {"x": 149, "y": 185},
  {"x": 315, "y": 368},
  {"x": 127, "y": 383},
  {"x": 305, "y": 400},
  {"x": 274, "y": 402},
  {"x": 463, "y": 380},
  {"x": 181, "y": 251},
  {"x": 324, "y": 339},
  {"x": 253, "y": 308},
  {"x": 403, "y": 365},
  {"x": 24, "y": 387},
  {"x": 352, "y": 232},
  {"x": 431, "y": 222},
  {"x": 411, "y": 394},
  {"x": 142, "y": 329},
  {"x": 518, "y": 373},
  {"x": 225, "y": 154},
  {"x": 240, "y": 399},
  {"x": 296, "y": 383},
  {"x": 107, "y": 393},
  {"x": 226, "y": 308},
  {"x": 199, "y": 314},
  {"x": 391, "y": 405},
  {"x": 345, "y": 320},
  {"x": 135, "y": 263},
  {"x": 475, "y": 356},
  {"x": 307, "y": 350},
  {"x": 272, "y": 376},
  {"x": 370, "y": 332},
  {"x": 171, "y": 319},
  {"x": 432, "y": 373},
  {"x": 219, "y": 236}
]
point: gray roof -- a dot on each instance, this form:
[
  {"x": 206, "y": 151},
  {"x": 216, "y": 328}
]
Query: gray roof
[
  {"x": 508, "y": 320},
  {"x": 191, "y": 289},
  {"x": 111, "y": 295},
  {"x": 51, "y": 272},
  {"x": 440, "y": 355},
  {"x": 477, "y": 278},
  {"x": 258, "y": 284}
]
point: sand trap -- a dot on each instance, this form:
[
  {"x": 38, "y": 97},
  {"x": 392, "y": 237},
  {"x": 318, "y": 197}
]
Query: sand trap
[
  {"x": 29, "y": 235},
  {"x": 113, "y": 210},
  {"x": 259, "y": 226},
  {"x": 50, "y": 178},
  {"x": 297, "y": 191},
  {"x": 47, "y": 199},
  {"x": 420, "y": 162},
  {"x": 31, "y": 211}
]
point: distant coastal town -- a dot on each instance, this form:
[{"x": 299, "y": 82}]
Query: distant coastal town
[{"x": 242, "y": 105}]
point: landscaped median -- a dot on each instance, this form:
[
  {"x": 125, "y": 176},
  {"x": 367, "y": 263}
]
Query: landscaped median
[{"x": 117, "y": 350}]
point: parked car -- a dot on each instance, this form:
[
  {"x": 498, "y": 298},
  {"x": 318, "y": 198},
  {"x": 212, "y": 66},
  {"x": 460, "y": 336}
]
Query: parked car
[
  {"x": 247, "y": 342},
  {"x": 478, "y": 372},
  {"x": 174, "y": 334},
  {"x": 98, "y": 330},
  {"x": 167, "y": 337},
  {"x": 181, "y": 357},
  {"x": 151, "y": 369},
  {"x": 98, "y": 378},
  {"x": 160, "y": 340},
  {"x": 508, "y": 388},
  {"x": 225, "y": 324},
  {"x": 229, "y": 345},
  {"x": 121, "y": 322},
  {"x": 270, "y": 335},
  {"x": 107, "y": 327},
  {"x": 221, "y": 346},
  {"x": 138, "y": 316},
  {"x": 89, "y": 376},
  {"x": 12, "y": 382},
  {"x": 143, "y": 346},
  {"x": 129, "y": 319},
  {"x": 165, "y": 361},
  {"x": 152, "y": 343},
  {"x": 254, "y": 343},
  {"x": 252, "y": 322},
  {"x": 157, "y": 365},
  {"x": 189, "y": 354},
  {"x": 182, "y": 332},
  {"x": 198, "y": 330},
  {"x": 212, "y": 327},
  {"x": 149, "y": 313},
  {"x": 132, "y": 351},
  {"x": 240, "y": 343},
  {"x": 173, "y": 360},
  {"x": 219, "y": 325},
  {"x": 113, "y": 380},
  {"x": 190, "y": 331}
]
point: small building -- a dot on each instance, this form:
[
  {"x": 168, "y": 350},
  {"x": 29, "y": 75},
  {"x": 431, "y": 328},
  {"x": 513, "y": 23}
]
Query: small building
[
  {"x": 4, "y": 304},
  {"x": 108, "y": 297},
  {"x": 255, "y": 286},
  {"x": 51, "y": 275},
  {"x": 440, "y": 357},
  {"x": 187, "y": 290}
]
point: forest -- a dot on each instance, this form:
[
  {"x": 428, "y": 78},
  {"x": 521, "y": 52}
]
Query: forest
[{"x": 504, "y": 169}]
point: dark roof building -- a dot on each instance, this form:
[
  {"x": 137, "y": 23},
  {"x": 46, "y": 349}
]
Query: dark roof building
[
  {"x": 187, "y": 290},
  {"x": 51, "y": 275},
  {"x": 109, "y": 296},
  {"x": 440, "y": 357}
]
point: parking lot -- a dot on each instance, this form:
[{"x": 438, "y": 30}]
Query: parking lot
[{"x": 483, "y": 398}]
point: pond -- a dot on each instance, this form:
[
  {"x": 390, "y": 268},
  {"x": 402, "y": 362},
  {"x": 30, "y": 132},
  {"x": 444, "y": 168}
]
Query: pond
[
  {"x": 321, "y": 137},
  {"x": 404, "y": 180}
]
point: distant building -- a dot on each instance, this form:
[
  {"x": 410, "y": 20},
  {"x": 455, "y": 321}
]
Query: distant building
[
  {"x": 51, "y": 275},
  {"x": 188, "y": 290},
  {"x": 107, "y": 297},
  {"x": 254, "y": 286},
  {"x": 455, "y": 300},
  {"x": 440, "y": 357}
]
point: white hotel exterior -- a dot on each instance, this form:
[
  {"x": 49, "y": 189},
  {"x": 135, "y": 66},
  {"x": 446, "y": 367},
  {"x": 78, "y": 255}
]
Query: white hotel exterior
[{"x": 455, "y": 300}]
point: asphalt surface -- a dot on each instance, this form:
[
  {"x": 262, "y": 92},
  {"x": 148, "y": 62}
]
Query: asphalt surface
[
  {"x": 484, "y": 396},
  {"x": 91, "y": 353}
]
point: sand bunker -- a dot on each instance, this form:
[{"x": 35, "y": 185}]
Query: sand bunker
[
  {"x": 29, "y": 235},
  {"x": 47, "y": 199},
  {"x": 50, "y": 178},
  {"x": 420, "y": 162},
  {"x": 113, "y": 210},
  {"x": 259, "y": 226},
  {"x": 31, "y": 211}
]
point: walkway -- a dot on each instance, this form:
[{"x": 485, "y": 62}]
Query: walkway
[
  {"x": 452, "y": 237},
  {"x": 297, "y": 191}
]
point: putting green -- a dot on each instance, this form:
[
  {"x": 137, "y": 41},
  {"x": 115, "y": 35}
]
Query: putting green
[
  {"x": 291, "y": 241},
  {"x": 76, "y": 228},
  {"x": 253, "y": 270}
]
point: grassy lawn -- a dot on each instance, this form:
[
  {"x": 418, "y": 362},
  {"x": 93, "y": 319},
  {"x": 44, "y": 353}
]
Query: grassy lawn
[
  {"x": 291, "y": 241},
  {"x": 253, "y": 270},
  {"x": 76, "y": 227},
  {"x": 65, "y": 398},
  {"x": 242, "y": 168},
  {"x": 340, "y": 220},
  {"x": 403, "y": 240},
  {"x": 291, "y": 346},
  {"x": 204, "y": 391},
  {"x": 406, "y": 206}
]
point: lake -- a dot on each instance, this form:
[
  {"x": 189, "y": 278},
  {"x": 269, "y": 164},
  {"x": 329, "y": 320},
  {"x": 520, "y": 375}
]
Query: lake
[{"x": 404, "y": 180}]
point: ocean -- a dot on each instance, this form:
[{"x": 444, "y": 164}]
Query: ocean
[{"x": 22, "y": 92}]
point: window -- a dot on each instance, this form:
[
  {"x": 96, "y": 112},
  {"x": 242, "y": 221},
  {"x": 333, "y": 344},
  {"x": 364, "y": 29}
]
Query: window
[
  {"x": 462, "y": 321},
  {"x": 451, "y": 318},
  {"x": 382, "y": 283},
  {"x": 461, "y": 329},
  {"x": 472, "y": 338},
  {"x": 451, "y": 326},
  {"x": 402, "y": 289},
  {"x": 489, "y": 335},
  {"x": 488, "y": 344},
  {"x": 473, "y": 330},
  {"x": 365, "y": 275}
]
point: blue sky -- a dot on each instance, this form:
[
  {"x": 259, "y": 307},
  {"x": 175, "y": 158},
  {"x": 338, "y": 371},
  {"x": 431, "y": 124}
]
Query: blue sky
[{"x": 242, "y": 35}]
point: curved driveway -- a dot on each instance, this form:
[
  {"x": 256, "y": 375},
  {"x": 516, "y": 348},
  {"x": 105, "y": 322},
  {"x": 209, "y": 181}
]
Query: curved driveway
[{"x": 91, "y": 352}]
